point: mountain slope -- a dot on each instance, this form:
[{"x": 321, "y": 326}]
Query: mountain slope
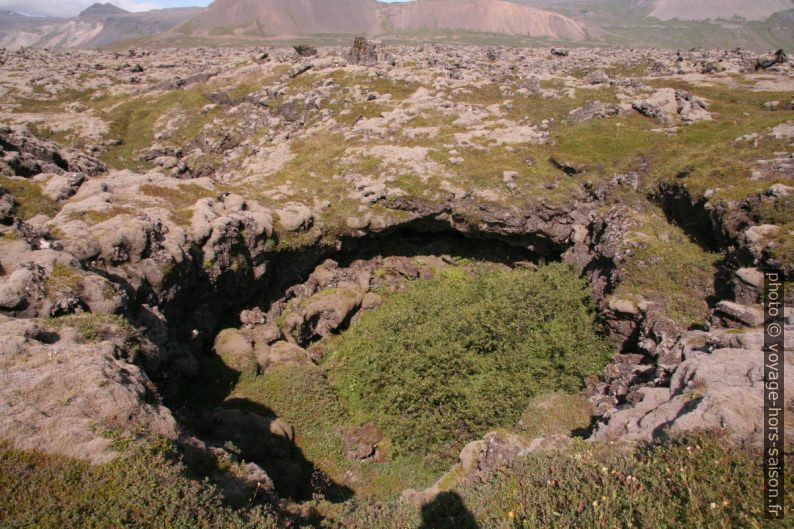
[
  {"x": 101, "y": 11},
  {"x": 703, "y": 9},
  {"x": 18, "y": 31},
  {"x": 123, "y": 27},
  {"x": 296, "y": 17},
  {"x": 493, "y": 16},
  {"x": 99, "y": 25},
  {"x": 289, "y": 17},
  {"x": 632, "y": 22}
]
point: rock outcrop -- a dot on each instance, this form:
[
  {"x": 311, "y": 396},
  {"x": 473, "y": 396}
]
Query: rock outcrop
[{"x": 61, "y": 391}]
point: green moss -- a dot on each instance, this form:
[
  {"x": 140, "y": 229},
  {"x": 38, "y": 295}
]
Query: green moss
[
  {"x": 62, "y": 278},
  {"x": 666, "y": 267},
  {"x": 606, "y": 145},
  {"x": 92, "y": 216},
  {"x": 96, "y": 327},
  {"x": 29, "y": 199},
  {"x": 556, "y": 413},
  {"x": 302, "y": 397},
  {"x": 179, "y": 200},
  {"x": 783, "y": 244},
  {"x": 708, "y": 150},
  {"x": 133, "y": 122}
]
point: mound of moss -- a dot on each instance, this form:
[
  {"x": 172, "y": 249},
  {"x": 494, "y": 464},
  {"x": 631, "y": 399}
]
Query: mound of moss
[{"x": 450, "y": 358}]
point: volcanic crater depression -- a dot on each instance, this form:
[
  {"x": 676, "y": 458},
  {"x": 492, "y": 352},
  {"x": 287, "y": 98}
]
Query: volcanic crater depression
[{"x": 442, "y": 347}]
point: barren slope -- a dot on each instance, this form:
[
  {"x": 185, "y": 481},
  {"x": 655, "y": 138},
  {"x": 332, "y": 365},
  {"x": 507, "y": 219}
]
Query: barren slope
[
  {"x": 279, "y": 17},
  {"x": 749, "y": 9},
  {"x": 494, "y": 16}
]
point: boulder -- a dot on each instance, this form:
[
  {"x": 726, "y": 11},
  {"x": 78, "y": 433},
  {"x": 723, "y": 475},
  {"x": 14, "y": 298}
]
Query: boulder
[
  {"x": 760, "y": 232},
  {"x": 61, "y": 392},
  {"x": 235, "y": 350},
  {"x": 370, "y": 300},
  {"x": 7, "y": 204},
  {"x": 61, "y": 187},
  {"x": 304, "y": 50},
  {"x": 748, "y": 286},
  {"x": 266, "y": 333},
  {"x": 31, "y": 156},
  {"x": 283, "y": 352},
  {"x": 737, "y": 313},
  {"x": 567, "y": 167},
  {"x": 295, "y": 216},
  {"x": 363, "y": 52},
  {"x": 622, "y": 306},
  {"x": 597, "y": 77},
  {"x": 721, "y": 390},
  {"x": 324, "y": 313},
  {"x": 361, "y": 443},
  {"x": 591, "y": 110},
  {"x": 769, "y": 60}
]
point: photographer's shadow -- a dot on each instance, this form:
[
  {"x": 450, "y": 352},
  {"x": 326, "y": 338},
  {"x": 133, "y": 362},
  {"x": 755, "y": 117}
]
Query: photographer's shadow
[{"x": 447, "y": 511}]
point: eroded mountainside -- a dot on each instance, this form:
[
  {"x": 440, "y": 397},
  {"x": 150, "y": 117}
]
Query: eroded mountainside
[
  {"x": 640, "y": 23},
  {"x": 306, "y": 17},
  {"x": 211, "y": 246},
  {"x": 99, "y": 25}
]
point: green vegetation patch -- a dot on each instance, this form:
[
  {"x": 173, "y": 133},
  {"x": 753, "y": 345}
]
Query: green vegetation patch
[
  {"x": 691, "y": 481},
  {"x": 180, "y": 199},
  {"x": 666, "y": 267},
  {"x": 143, "y": 488},
  {"x": 133, "y": 123},
  {"x": 301, "y": 396},
  {"x": 450, "y": 358},
  {"x": 99, "y": 327},
  {"x": 29, "y": 199}
]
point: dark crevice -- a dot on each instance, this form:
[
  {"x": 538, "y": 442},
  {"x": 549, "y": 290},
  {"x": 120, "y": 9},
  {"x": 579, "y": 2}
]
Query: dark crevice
[{"x": 691, "y": 216}]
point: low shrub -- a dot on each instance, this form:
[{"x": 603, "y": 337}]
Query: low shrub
[
  {"x": 143, "y": 488},
  {"x": 692, "y": 481},
  {"x": 450, "y": 358}
]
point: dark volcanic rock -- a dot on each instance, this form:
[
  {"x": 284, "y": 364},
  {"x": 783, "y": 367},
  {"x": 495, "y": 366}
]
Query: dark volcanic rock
[
  {"x": 361, "y": 443},
  {"x": 305, "y": 51},
  {"x": 567, "y": 167},
  {"x": 779, "y": 57},
  {"x": 363, "y": 52}
]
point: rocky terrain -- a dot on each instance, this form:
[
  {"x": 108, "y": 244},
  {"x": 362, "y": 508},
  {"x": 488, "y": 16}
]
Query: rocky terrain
[{"x": 185, "y": 232}]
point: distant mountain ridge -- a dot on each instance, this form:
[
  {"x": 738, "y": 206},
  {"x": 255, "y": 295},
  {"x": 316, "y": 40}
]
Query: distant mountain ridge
[
  {"x": 492, "y": 16},
  {"x": 304, "y": 17},
  {"x": 102, "y": 11},
  {"x": 98, "y": 25}
]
